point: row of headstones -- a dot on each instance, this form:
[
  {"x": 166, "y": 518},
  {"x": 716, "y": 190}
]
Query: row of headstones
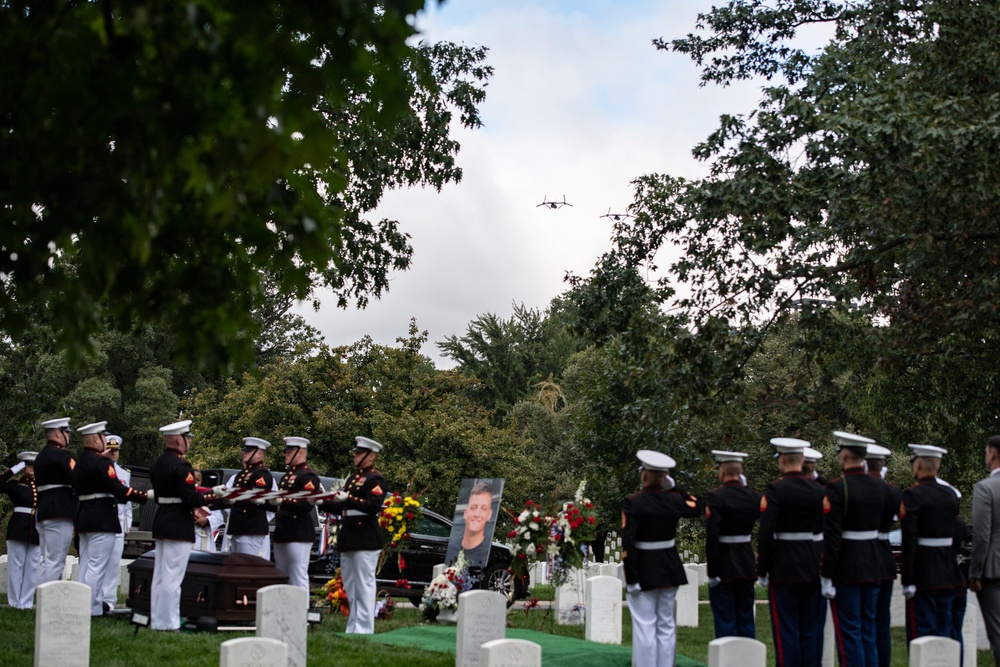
[
  {"x": 69, "y": 572},
  {"x": 573, "y": 600},
  {"x": 741, "y": 652},
  {"x": 62, "y": 628}
]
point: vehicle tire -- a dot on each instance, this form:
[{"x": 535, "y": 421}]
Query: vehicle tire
[{"x": 499, "y": 580}]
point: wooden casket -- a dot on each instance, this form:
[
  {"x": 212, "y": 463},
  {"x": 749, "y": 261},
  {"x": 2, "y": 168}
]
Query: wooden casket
[{"x": 221, "y": 585}]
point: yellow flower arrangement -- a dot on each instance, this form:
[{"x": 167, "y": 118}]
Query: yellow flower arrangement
[
  {"x": 398, "y": 514},
  {"x": 336, "y": 595}
]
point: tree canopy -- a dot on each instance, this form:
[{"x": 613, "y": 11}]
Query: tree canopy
[
  {"x": 860, "y": 198},
  {"x": 868, "y": 174},
  {"x": 160, "y": 157}
]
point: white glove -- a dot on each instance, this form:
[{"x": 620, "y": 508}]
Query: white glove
[
  {"x": 764, "y": 581},
  {"x": 340, "y": 496},
  {"x": 257, "y": 501},
  {"x": 909, "y": 591},
  {"x": 669, "y": 483},
  {"x": 274, "y": 501},
  {"x": 150, "y": 495},
  {"x": 714, "y": 581},
  {"x": 18, "y": 468},
  {"x": 827, "y": 588},
  {"x": 219, "y": 490}
]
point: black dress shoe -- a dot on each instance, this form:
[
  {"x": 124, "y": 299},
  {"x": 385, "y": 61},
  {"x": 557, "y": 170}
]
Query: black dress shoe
[{"x": 108, "y": 608}]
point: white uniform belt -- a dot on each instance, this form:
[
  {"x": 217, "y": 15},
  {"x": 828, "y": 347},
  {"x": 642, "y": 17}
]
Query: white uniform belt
[
  {"x": 24, "y": 510},
  {"x": 883, "y": 536},
  {"x": 734, "y": 539},
  {"x": 168, "y": 501},
  {"x": 95, "y": 496},
  {"x": 934, "y": 541},
  {"x": 652, "y": 546},
  {"x": 356, "y": 513},
  {"x": 799, "y": 537},
  {"x": 49, "y": 487},
  {"x": 860, "y": 535}
]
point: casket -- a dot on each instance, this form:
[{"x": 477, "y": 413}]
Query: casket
[{"x": 220, "y": 585}]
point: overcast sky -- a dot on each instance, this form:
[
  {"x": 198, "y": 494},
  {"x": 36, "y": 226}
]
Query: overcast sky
[{"x": 580, "y": 104}]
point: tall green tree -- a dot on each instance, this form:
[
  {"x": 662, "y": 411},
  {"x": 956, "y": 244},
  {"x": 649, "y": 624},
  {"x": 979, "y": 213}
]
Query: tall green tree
[
  {"x": 509, "y": 356},
  {"x": 860, "y": 197},
  {"x": 158, "y": 156}
]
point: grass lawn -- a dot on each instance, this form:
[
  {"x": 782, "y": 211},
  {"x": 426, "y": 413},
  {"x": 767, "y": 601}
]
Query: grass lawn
[{"x": 113, "y": 643}]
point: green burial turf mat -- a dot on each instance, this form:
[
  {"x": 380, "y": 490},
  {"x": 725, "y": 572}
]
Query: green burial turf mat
[{"x": 557, "y": 651}]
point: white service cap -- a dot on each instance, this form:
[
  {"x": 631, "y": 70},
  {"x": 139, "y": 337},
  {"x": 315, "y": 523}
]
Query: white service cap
[
  {"x": 61, "y": 422},
  {"x": 851, "y": 440},
  {"x": 114, "y": 441},
  {"x": 177, "y": 428},
  {"x": 812, "y": 454},
  {"x": 27, "y": 457},
  {"x": 295, "y": 441},
  {"x": 259, "y": 443},
  {"x": 92, "y": 429},
  {"x": 367, "y": 443},
  {"x": 790, "y": 445},
  {"x": 929, "y": 451},
  {"x": 655, "y": 461},
  {"x": 725, "y": 457},
  {"x": 877, "y": 452}
]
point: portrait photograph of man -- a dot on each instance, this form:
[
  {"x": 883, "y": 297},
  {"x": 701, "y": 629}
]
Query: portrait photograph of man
[{"x": 475, "y": 520}]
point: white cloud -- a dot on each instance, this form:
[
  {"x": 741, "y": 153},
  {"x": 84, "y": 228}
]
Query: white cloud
[{"x": 580, "y": 104}]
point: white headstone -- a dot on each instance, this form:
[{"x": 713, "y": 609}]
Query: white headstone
[
  {"x": 620, "y": 572},
  {"x": 969, "y": 632},
  {"x": 897, "y": 606},
  {"x": 702, "y": 570},
  {"x": 438, "y": 570},
  {"x": 604, "y": 610},
  {"x": 982, "y": 641},
  {"x": 482, "y": 617},
  {"x": 829, "y": 638},
  {"x": 255, "y": 651},
  {"x": 510, "y": 653},
  {"x": 3, "y": 574},
  {"x": 539, "y": 574},
  {"x": 934, "y": 652},
  {"x": 609, "y": 570},
  {"x": 123, "y": 578},
  {"x": 281, "y": 615},
  {"x": 736, "y": 652},
  {"x": 687, "y": 600},
  {"x": 62, "y": 624},
  {"x": 569, "y": 603},
  {"x": 593, "y": 570},
  {"x": 69, "y": 570}
]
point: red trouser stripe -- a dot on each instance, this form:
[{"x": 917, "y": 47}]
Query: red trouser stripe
[
  {"x": 778, "y": 651},
  {"x": 836, "y": 631}
]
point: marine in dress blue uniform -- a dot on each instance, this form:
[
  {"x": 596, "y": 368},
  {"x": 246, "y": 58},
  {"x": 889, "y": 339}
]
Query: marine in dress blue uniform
[
  {"x": 247, "y": 526},
  {"x": 99, "y": 491},
  {"x": 294, "y": 533},
  {"x": 789, "y": 548},
  {"x": 22, "y": 534},
  {"x": 653, "y": 568},
  {"x": 57, "y": 504},
  {"x": 875, "y": 456},
  {"x": 929, "y": 571},
  {"x": 853, "y": 568},
  {"x": 359, "y": 537},
  {"x": 731, "y": 511},
  {"x": 176, "y": 498},
  {"x": 811, "y": 459}
]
